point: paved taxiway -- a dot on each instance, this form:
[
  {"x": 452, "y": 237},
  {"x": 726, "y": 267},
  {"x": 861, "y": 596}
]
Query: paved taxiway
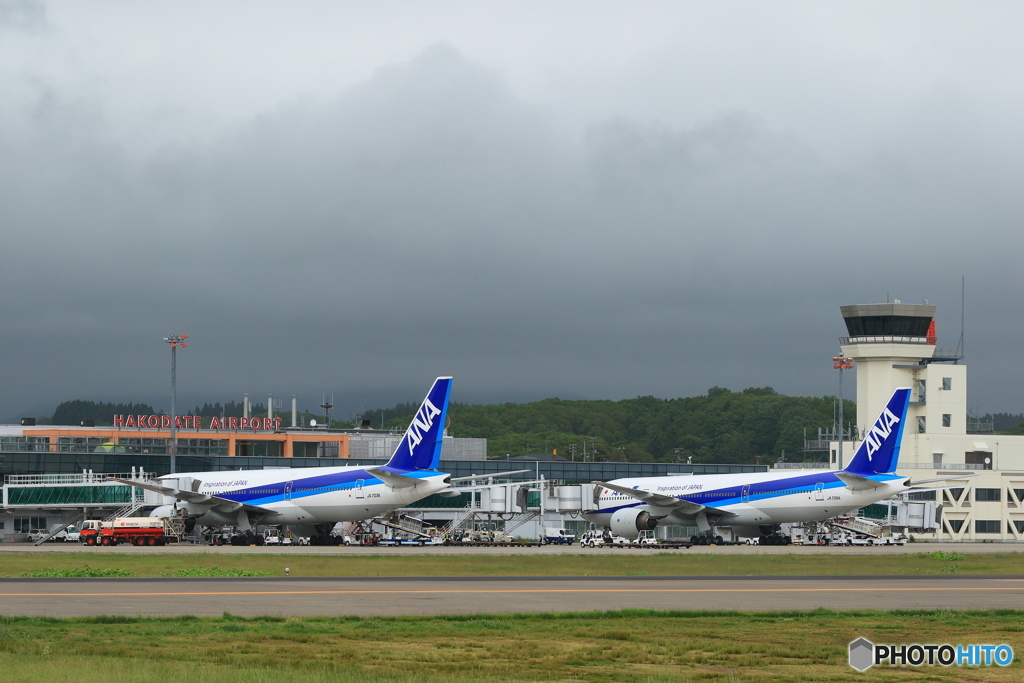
[
  {"x": 188, "y": 548},
  {"x": 443, "y": 595}
]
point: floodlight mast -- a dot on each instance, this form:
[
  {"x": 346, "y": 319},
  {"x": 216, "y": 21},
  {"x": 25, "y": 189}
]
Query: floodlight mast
[
  {"x": 841, "y": 363},
  {"x": 174, "y": 340}
]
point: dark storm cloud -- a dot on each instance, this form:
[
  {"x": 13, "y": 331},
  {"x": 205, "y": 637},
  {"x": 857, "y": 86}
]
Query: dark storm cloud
[{"x": 431, "y": 221}]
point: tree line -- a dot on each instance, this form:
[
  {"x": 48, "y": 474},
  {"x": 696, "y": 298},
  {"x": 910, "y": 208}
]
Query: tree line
[
  {"x": 722, "y": 426},
  {"x": 754, "y": 425}
]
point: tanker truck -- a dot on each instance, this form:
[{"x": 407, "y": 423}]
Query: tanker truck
[{"x": 135, "y": 530}]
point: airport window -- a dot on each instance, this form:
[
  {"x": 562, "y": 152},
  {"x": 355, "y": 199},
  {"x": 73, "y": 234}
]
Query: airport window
[
  {"x": 986, "y": 494},
  {"x": 83, "y": 444},
  {"x": 1019, "y": 524},
  {"x": 955, "y": 525},
  {"x": 24, "y": 525},
  {"x": 1020, "y": 495},
  {"x": 257, "y": 448},
  {"x": 979, "y": 459},
  {"x": 922, "y": 495},
  {"x": 24, "y": 443},
  {"x": 986, "y": 526},
  {"x": 954, "y": 494},
  {"x": 947, "y": 419},
  {"x": 146, "y": 446},
  {"x": 920, "y": 424},
  {"x": 887, "y": 325},
  {"x": 947, "y": 383}
]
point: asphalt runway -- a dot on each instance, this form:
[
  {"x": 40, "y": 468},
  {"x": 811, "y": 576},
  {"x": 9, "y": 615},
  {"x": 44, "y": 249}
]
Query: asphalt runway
[{"x": 494, "y": 595}]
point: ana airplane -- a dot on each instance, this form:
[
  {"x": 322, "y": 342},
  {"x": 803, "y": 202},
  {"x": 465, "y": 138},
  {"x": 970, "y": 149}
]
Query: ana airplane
[
  {"x": 317, "y": 497},
  {"x": 756, "y": 504}
]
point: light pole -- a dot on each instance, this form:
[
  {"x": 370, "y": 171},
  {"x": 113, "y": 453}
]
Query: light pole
[
  {"x": 174, "y": 340},
  {"x": 841, "y": 363}
]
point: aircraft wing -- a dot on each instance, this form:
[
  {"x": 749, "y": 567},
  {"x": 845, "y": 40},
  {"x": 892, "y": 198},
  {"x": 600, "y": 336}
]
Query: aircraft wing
[
  {"x": 485, "y": 476},
  {"x": 658, "y": 500},
  {"x": 215, "y": 502},
  {"x": 918, "y": 484},
  {"x": 392, "y": 479}
]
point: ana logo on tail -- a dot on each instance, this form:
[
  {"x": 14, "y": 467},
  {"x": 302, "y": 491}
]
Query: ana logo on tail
[
  {"x": 882, "y": 429},
  {"x": 423, "y": 421}
]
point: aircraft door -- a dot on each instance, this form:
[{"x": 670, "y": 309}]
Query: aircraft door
[
  {"x": 359, "y": 488},
  {"x": 819, "y": 491},
  {"x": 745, "y": 494},
  {"x": 288, "y": 490}
]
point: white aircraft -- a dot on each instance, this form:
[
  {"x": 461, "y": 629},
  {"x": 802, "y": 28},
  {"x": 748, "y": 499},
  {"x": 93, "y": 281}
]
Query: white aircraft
[
  {"x": 756, "y": 504},
  {"x": 317, "y": 497}
]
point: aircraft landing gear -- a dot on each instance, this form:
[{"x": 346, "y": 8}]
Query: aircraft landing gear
[
  {"x": 707, "y": 538},
  {"x": 775, "y": 539}
]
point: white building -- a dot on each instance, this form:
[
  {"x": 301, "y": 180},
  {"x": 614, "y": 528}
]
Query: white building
[{"x": 894, "y": 345}]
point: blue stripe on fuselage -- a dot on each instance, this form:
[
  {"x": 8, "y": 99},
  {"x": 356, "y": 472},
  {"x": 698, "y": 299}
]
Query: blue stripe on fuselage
[
  {"x": 762, "y": 490},
  {"x": 273, "y": 492}
]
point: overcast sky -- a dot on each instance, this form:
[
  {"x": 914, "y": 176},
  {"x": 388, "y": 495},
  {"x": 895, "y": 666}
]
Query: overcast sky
[{"x": 584, "y": 200}]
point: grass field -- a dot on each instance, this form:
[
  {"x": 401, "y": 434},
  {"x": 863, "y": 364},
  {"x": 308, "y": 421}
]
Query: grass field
[
  {"x": 632, "y": 646},
  {"x": 610, "y": 564}
]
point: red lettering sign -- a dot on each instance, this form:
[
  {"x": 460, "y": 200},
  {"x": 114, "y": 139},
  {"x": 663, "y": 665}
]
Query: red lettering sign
[{"x": 196, "y": 422}]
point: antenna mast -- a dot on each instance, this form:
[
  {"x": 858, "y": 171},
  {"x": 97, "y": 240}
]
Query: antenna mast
[{"x": 960, "y": 346}]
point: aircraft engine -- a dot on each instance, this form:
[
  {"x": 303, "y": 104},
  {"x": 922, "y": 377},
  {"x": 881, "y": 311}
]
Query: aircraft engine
[
  {"x": 629, "y": 522},
  {"x": 162, "y": 511}
]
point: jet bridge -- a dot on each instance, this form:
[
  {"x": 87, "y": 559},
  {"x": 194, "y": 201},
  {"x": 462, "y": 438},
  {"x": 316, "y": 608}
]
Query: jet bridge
[
  {"x": 514, "y": 502},
  {"x": 539, "y": 495}
]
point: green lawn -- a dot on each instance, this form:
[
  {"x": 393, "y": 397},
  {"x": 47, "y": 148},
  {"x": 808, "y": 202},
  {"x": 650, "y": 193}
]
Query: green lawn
[
  {"x": 630, "y": 646},
  {"x": 609, "y": 563}
]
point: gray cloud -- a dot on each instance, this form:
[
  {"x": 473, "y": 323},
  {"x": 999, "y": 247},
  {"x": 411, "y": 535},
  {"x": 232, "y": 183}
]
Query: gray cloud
[{"x": 431, "y": 219}]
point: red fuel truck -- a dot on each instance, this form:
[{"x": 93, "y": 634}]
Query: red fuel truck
[{"x": 134, "y": 530}]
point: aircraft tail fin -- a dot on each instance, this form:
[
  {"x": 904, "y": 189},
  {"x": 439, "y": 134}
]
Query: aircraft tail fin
[
  {"x": 879, "y": 452},
  {"x": 420, "y": 448}
]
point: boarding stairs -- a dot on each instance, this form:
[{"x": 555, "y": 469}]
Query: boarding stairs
[
  {"x": 138, "y": 499},
  {"x": 461, "y": 516},
  {"x": 519, "y": 521},
  {"x": 66, "y": 521}
]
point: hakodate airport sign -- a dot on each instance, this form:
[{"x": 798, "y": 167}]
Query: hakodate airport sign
[{"x": 195, "y": 422}]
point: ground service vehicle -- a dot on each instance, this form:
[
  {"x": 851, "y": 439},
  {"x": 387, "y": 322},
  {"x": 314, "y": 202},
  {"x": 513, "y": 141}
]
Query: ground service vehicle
[
  {"x": 558, "y": 536},
  {"x": 275, "y": 537},
  {"x": 135, "y": 530},
  {"x": 67, "y": 534}
]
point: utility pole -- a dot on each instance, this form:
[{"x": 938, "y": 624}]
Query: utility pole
[
  {"x": 841, "y": 363},
  {"x": 174, "y": 340}
]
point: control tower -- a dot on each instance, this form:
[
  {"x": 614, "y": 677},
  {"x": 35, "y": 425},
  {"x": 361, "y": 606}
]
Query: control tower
[{"x": 894, "y": 345}]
